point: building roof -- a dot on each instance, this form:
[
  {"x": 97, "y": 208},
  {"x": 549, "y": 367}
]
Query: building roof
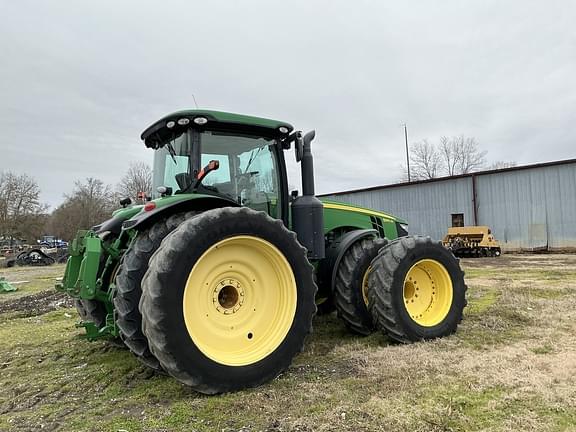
[{"x": 440, "y": 179}]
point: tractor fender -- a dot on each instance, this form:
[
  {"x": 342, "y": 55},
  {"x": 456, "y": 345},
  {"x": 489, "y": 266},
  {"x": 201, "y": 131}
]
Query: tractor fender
[
  {"x": 113, "y": 225},
  {"x": 146, "y": 218},
  {"x": 338, "y": 248}
]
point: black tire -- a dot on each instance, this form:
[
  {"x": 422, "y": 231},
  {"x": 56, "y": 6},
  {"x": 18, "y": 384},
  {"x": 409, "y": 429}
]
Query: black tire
[
  {"x": 348, "y": 287},
  {"x": 325, "y": 307},
  {"x": 132, "y": 268},
  {"x": 163, "y": 310},
  {"x": 386, "y": 289},
  {"x": 91, "y": 310},
  {"x": 324, "y": 297}
]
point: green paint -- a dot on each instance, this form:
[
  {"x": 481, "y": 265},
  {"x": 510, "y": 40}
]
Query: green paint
[
  {"x": 80, "y": 275},
  {"x": 128, "y": 212},
  {"x": 5, "y": 286},
  {"x": 343, "y": 219},
  {"x": 174, "y": 199},
  {"x": 224, "y": 117},
  {"x": 349, "y": 217},
  {"x": 353, "y": 207}
]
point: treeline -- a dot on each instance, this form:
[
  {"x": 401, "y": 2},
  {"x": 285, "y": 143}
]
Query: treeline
[{"x": 23, "y": 217}]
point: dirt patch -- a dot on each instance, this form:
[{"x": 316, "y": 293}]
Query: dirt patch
[{"x": 37, "y": 304}]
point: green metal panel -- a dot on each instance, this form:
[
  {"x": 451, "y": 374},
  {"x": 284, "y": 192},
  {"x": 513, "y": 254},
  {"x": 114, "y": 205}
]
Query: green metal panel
[
  {"x": 82, "y": 269},
  {"x": 75, "y": 251},
  {"x": 363, "y": 210},
  {"x": 334, "y": 219},
  {"x": 390, "y": 230},
  {"x": 128, "y": 212},
  {"x": 223, "y": 117},
  {"x": 344, "y": 216},
  {"x": 85, "y": 285}
]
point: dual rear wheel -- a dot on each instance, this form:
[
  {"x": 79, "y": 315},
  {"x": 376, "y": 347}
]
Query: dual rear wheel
[
  {"x": 416, "y": 290},
  {"x": 411, "y": 288}
]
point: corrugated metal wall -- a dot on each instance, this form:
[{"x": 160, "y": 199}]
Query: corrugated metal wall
[{"x": 527, "y": 209}]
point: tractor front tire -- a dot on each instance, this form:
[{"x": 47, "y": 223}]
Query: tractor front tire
[
  {"x": 132, "y": 268},
  {"x": 351, "y": 286},
  {"x": 228, "y": 300},
  {"x": 91, "y": 310},
  {"x": 416, "y": 290}
]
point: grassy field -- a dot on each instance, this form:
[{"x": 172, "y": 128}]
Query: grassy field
[{"x": 510, "y": 367}]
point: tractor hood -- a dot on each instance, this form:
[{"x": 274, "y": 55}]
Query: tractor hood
[{"x": 329, "y": 204}]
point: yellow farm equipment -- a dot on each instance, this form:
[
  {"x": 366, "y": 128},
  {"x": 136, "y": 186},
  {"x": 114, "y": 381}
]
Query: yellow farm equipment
[{"x": 472, "y": 241}]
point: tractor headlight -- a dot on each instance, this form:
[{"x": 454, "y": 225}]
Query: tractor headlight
[
  {"x": 170, "y": 124},
  {"x": 183, "y": 121},
  {"x": 283, "y": 129},
  {"x": 200, "y": 120}
]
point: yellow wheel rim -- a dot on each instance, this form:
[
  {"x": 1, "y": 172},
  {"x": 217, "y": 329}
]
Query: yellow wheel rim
[
  {"x": 365, "y": 285},
  {"x": 428, "y": 292},
  {"x": 240, "y": 300}
]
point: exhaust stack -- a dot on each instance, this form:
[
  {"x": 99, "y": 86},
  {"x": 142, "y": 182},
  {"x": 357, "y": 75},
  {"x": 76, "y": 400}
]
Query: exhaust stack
[{"x": 307, "y": 210}]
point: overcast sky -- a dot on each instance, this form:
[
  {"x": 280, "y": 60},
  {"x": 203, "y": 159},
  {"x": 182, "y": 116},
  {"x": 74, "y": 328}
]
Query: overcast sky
[{"x": 79, "y": 81}]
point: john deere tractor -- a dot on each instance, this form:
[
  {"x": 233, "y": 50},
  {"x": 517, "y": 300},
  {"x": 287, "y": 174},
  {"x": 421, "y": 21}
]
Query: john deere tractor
[{"x": 216, "y": 280}]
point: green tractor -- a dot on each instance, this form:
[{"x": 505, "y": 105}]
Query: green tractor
[{"x": 216, "y": 280}]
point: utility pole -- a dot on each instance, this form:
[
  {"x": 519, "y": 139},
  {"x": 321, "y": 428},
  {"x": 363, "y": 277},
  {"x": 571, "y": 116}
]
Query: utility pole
[{"x": 407, "y": 154}]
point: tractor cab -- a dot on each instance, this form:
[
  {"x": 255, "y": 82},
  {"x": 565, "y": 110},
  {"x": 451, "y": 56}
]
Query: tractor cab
[
  {"x": 239, "y": 159},
  {"x": 227, "y": 160}
]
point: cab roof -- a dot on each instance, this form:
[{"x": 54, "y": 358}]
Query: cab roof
[{"x": 158, "y": 133}]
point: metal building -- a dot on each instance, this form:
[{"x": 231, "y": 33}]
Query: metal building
[{"x": 531, "y": 207}]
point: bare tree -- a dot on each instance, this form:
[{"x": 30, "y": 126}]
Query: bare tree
[
  {"x": 138, "y": 179},
  {"x": 461, "y": 155},
  {"x": 449, "y": 152},
  {"x": 90, "y": 203},
  {"x": 471, "y": 157},
  {"x": 451, "y": 156},
  {"x": 21, "y": 213},
  {"x": 425, "y": 161}
]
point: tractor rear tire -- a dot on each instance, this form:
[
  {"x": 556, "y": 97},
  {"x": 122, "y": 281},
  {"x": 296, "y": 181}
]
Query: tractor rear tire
[
  {"x": 133, "y": 266},
  {"x": 228, "y": 300},
  {"x": 416, "y": 290},
  {"x": 351, "y": 285}
]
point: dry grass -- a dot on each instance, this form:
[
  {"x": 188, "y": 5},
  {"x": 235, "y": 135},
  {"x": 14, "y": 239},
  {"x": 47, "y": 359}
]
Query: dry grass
[{"x": 510, "y": 367}]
